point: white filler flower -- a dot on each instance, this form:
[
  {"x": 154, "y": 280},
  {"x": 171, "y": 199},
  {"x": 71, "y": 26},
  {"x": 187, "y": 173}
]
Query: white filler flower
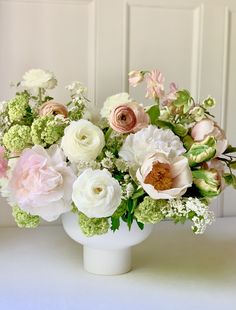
[
  {"x": 38, "y": 78},
  {"x": 148, "y": 141},
  {"x": 82, "y": 141},
  {"x": 112, "y": 102},
  {"x": 96, "y": 193}
]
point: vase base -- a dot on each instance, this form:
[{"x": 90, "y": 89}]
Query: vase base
[{"x": 107, "y": 262}]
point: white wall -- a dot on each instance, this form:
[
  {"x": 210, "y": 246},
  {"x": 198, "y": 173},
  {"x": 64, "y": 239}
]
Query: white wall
[{"x": 98, "y": 41}]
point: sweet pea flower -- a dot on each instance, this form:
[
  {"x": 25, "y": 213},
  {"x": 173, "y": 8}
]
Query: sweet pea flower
[
  {"x": 171, "y": 96},
  {"x": 135, "y": 77},
  {"x": 207, "y": 127},
  {"x": 155, "y": 84},
  {"x": 53, "y": 108},
  {"x": 163, "y": 177},
  {"x": 129, "y": 117},
  {"x": 41, "y": 182},
  {"x": 3, "y": 163}
]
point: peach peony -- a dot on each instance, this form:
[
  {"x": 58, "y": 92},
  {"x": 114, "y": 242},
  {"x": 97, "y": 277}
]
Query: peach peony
[
  {"x": 128, "y": 117},
  {"x": 163, "y": 177},
  {"x": 53, "y": 108},
  {"x": 207, "y": 127},
  {"x": 41, "y": 182}
]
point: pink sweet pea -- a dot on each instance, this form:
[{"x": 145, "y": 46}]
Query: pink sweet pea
[
  {"x": 41, "y": 182},
  {"x": 3, "y": 163},
  {"x": 155, "y": 84},
  {"x": 171, "y": 96},
  {"x": 135, "y": 77}
]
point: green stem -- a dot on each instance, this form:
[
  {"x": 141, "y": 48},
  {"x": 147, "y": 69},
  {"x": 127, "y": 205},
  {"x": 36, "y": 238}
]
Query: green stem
[
  {"x": 40, "y": 97},
  {"x": 108, "y": 133}
]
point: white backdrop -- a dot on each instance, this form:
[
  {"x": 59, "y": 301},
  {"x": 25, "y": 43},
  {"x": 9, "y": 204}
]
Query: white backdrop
[{"x": 193, "y": 42}]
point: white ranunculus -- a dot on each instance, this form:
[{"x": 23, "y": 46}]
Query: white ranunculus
[
  {"x": 82, "y": 140},
  {"x": 148, "y": 141},
  {"x": 38, "y": 78},
  {"x": 170, "y": 176},
  {"x": 96, "y": 193},
  {"x": 114, "y": 101}
]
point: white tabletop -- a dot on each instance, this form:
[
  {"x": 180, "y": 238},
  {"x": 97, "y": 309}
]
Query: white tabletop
[{"x": 173, "y": 269}]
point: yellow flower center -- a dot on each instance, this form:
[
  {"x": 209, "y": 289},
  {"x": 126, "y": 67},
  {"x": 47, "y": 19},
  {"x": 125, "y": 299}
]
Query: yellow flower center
[{"x": 159, "y": 177}]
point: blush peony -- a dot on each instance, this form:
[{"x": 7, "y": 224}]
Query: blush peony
[
  {"x": 163, "y": 177},
  {"x": 41, "y": 182}
]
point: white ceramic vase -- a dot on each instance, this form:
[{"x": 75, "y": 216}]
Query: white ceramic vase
[{"x": 108, "y": 254}]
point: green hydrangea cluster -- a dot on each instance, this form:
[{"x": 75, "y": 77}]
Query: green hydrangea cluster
[
  {"x": 47, "y": 130},
  {"x": 17, "y": 138},
  {"x": 24, "y": 219},
  {"x": 150, "y": 210},
  {"x": 18, "y": 107},
  {"x": 93, "y": 226}
]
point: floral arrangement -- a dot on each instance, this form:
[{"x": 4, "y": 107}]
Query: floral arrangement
[{"x": 125, "y": 163}]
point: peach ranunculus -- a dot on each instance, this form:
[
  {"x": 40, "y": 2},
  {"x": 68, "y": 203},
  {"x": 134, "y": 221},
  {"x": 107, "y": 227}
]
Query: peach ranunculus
[
  {"x": 206, "y": 127},
  {"x": 41, "y": 182},
  {"x": 3, "y": 163},
  {"x": 53, "y": 108},
  {"x": 129, "y": 117},
  {"x": 163, "y": 177},
  {"x": 135, "y": 77},
  {"x": 155, "y": 84}
]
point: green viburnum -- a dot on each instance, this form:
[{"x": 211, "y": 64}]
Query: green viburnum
[
  {"x": 17, "y": 138},
  {"x": 93, "y": 226},
  {"x": 24, "y": 219},
  {"x": 150, "y": 210},
  {"x": 47, "y": 130},
  {"x": 18, "y": 107}
]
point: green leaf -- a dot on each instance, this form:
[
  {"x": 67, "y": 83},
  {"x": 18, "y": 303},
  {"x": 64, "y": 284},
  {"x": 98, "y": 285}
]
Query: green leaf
[
  {"x": 154, "y": 113},
  {"x": 130, "y": 219},
  {"x": 139, "y": 193},
  {"x": 130, "y": 205},
  {"x": 180, "y": 130},
  {"x": 230, "y": 179},
  {"x": 230, "y": 149},
  {"x": 232, "y": 164},
  {"x": 115, "y": 223},
  {"x": 165, "y": 124},
  {"x": 140, "y": 225}
]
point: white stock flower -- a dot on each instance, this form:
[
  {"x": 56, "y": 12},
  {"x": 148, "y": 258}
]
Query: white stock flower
[
  {"x": 114, "y": 101},
  {"x": 96, "y": 193},
  {"x": 3, "y": 106},
  {"x": 38, "y": 78},
  {"x": 82, "y": 141},
  {"x": 148, "y": 141},
  {"x": 76, "y": 89}
]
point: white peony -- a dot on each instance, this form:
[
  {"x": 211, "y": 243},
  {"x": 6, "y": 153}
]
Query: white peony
[
  {"x": 114, "y": 101},
  {"x": 82, "y": 141},
  {"x": 96, "y": 193},
  {"x": 38, "y": 78},
  {"x": 148, "y": 141}
]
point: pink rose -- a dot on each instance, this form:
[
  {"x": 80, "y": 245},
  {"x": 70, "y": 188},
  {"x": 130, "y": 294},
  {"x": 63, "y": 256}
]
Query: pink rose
[
  {"x": 207, "y": 127},
  {"x": 128, "y": 117},
  {"x": 135, "y": 77},
  {"x": 3, "y": 163},
  {"x": 53, "y": 108},
  {"x": 155, "y": 84},
  {"x": 41, "y": 182}
]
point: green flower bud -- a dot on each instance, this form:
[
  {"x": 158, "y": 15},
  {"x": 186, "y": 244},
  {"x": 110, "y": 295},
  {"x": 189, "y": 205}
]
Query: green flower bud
[
  {"x": 197, "y": 113},
  {"x": 93, "y": 226},
  {"x": 202, "y": 151},
  {"x": 150, "y": 210},
  {"x": 180, "y": 130},
  {"x": 47, "y": 130},
  {"x": 24, "y": 219},
  {"x": 17, "y": 138},
  {"x": 208, "y": 182},
  {"x": 209, "y": 103}
]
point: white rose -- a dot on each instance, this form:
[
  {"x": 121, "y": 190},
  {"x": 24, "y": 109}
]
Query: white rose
[
  {"x": 96, "y": 193},
  {"x": 82, "y": 141},
  {"x": 38, "y": 78},
  {"x": 114, "y": 101}
]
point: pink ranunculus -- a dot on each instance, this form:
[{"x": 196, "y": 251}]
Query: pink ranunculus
[
  {"x": 155, "y": 84},
  {"x": 171, "y": 96},
  {"x": 3, "y": 163},
  {"x": 135, "y": 77},
  {"x": 163, "y": 177},
  {"x": 53, "y": 108},
  {"x": 128, "y": 117},
  {"x": 41, "y": 182},
  {"x": 206, "y": 127}
]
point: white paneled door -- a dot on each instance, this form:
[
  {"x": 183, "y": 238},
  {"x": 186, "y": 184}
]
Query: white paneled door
[{"x": 192, "y": 42}]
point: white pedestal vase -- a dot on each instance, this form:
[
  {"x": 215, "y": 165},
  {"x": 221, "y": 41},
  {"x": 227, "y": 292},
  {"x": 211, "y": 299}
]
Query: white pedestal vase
[{"x": 108, "y": 254}]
